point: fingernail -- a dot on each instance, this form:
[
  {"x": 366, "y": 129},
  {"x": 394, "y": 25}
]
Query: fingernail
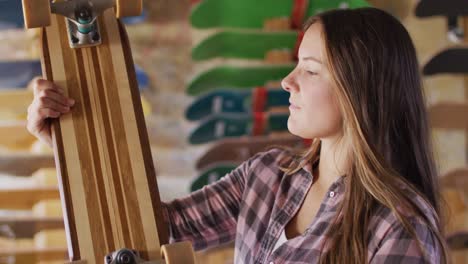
[{"x": 71, "y": 101}]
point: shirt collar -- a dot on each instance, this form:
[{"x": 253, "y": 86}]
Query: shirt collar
[{"x": 337, "y": 186}]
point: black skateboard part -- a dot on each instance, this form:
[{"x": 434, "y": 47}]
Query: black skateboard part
[{"x": 450, "y": 61}]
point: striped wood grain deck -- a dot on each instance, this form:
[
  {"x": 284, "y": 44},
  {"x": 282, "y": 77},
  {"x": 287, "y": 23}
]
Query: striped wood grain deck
[{"x": 107, "y": 178}]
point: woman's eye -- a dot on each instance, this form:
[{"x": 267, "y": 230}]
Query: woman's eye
[{"x": 311, "y": 73}]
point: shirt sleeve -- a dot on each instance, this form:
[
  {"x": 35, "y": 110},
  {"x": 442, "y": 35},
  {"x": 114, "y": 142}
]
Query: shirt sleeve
[
  {"x": 208, "y": 217},
  {"x": 398, "y": 246}
]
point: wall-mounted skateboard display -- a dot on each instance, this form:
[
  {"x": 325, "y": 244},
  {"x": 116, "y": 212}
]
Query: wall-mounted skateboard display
[{"x": 242, "y": 14}]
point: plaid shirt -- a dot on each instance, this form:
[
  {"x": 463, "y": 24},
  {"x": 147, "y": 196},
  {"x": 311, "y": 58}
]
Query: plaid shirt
[{"x": 253, "y": 204}]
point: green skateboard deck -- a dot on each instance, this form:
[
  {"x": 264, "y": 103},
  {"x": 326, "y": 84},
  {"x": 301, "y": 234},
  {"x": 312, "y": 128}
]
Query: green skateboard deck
[
  {"x": 232, "y": 101},
  {"x": 450, "y": 61},
  {"x": 212, "y": 174},
  {"x": 237, "y": 78},
  {"x": 238, "y": 150},
  {"x": 236, "y": 125},
  {"x": 248, "y": 14},
  {"x": 238, "y": 44}
]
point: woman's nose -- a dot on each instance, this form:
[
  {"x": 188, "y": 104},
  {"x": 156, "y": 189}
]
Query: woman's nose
[{"x": 288, "y": 83}]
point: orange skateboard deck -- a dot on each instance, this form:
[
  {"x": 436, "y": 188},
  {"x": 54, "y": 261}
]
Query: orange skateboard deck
[
  {"x": 237, "y": 150},
  {"x": 107, "y": 179},
  {"x": 26, "y": 198}
]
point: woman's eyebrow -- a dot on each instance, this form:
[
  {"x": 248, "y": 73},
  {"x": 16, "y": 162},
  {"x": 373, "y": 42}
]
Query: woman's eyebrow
[{"x": 312, "y": 59}]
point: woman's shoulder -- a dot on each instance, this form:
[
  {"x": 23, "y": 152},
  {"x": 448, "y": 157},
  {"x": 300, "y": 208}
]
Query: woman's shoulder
[
  {"x": 267, "y": 163},
  {"x": 270, "y": 157},
  {"x": 386, "y": 218},
  {"x": 388, "y": 233}
]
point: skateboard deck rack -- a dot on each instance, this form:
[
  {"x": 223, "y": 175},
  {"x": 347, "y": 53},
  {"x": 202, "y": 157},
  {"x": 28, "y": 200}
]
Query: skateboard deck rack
[{"x": 452, "y": 115}]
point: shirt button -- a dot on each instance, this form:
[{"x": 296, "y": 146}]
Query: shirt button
[{"x": 332, "y": 194}]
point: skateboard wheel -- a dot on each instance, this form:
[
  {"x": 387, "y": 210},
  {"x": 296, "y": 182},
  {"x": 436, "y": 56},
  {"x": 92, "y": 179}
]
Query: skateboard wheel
[
  {"x": 177, "y": 253},
  {"x": 126, "y": 8},
  {"x": 36, "y": 13}
]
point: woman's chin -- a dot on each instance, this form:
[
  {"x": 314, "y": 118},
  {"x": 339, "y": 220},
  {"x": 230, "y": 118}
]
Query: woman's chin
[{"x": 294, "y": 129}]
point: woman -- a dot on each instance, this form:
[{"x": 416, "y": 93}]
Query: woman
[{"x": 366, "y": 190}]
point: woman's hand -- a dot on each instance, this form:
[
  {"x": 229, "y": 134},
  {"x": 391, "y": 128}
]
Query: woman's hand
[{"x": 49, "y": 102}]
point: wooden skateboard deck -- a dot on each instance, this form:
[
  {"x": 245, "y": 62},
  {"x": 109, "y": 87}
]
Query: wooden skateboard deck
[
  {"x": 34, "y": 255},
  {"x": 237, "y": 150},
  {"x": 27, "y": 227},
  {"x": 106, "y": 174},
  {"x": 457, "y": 180},
  {"x": 227, "y": 77},
  {"x": 15, "y": 136},
  {"x": 14, "y": 103},
  {"x": 26, "y": 198},
  {"x": 449, "y": 116},
  {"x": 458, "y": 240},
  {"x": 234, "y": 101},
  {"x": 24, "y": 164}
]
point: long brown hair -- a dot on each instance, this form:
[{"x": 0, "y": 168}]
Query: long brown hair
[{"x": 377, "y": 83}]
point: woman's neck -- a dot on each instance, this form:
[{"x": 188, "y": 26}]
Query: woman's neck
[{"x": 334, "y": 162}]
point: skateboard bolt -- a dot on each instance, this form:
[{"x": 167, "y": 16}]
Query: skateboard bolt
[
  {"x": 74, "y": 39},
  {"x": 96, "y": 36},
  {"x": 83, "y": 15}
]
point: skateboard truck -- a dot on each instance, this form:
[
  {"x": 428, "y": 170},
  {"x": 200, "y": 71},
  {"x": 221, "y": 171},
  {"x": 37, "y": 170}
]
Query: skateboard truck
[
  {"x": 81, "y": 16},
  {"x": 455, "y": 32},
  {"x": 127, "y": 256}
]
